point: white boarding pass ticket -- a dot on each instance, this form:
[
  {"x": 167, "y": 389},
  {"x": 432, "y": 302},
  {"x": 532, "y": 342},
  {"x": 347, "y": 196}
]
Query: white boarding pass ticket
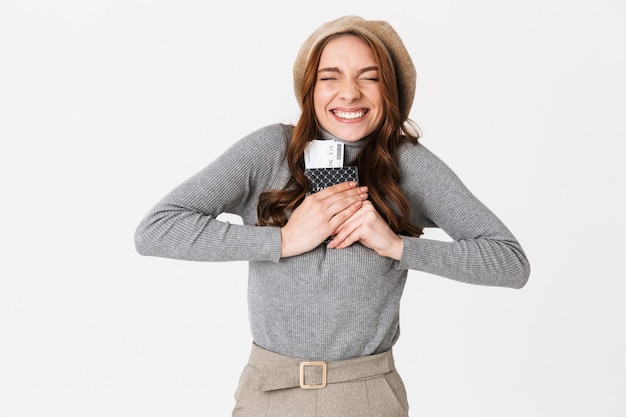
[{"x": 323, "y": 154}]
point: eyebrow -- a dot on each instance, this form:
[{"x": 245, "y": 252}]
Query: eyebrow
[{"x": 335, "y": 69}]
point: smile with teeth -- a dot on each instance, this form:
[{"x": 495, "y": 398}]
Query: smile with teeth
[{"x": 349, "y": 115}]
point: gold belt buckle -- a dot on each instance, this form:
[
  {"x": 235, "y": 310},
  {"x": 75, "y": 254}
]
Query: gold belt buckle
[{"x": 312, "y": 386}]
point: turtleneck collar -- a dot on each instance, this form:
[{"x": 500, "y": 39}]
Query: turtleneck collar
[{"x": 351, "y": 148}]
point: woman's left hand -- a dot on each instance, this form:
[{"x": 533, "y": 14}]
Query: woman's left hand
[{"x": 371, "y": 230}]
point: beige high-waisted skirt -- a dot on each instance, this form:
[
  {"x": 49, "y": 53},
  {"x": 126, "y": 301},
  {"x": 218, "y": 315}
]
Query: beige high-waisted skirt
[{"x": 274, "y": 385}]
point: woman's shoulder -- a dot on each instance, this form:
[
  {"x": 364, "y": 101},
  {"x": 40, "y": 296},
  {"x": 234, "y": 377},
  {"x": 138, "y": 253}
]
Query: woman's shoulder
[
  {"x": 410, "y": 154},
  {"x": 267, "y": 143},
  {"x": 418, "y": 162},
  {"x": 272, "y": 136}
]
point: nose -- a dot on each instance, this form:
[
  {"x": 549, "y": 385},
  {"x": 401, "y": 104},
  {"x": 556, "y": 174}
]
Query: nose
[{"x": 349, "y": 90}]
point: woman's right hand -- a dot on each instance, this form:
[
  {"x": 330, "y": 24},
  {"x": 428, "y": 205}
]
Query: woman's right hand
[{"x": 318, "y": 217}]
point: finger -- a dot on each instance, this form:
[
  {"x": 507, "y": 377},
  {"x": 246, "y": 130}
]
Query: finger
[
  {"x": 355, "y": 228},
  {"x": 344, "y": 240},
  {"x": 335, "y": 204},
  {"x": 338, "y": 221},
  {"x": 342, "y": 189},
  {"x": 342, "y": 186},
  {"x": 341, "y": 200},
  {"x": 349, "y": 223}
]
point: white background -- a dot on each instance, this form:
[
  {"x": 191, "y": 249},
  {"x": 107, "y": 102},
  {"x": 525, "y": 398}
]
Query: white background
[{"x": 107, "y": 105}]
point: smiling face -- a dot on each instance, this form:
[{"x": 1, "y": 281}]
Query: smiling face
[{"x": 348, "y": 96}]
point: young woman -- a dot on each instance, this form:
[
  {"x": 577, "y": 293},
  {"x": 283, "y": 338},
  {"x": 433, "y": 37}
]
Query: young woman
[{"x": 327, "y": 269}]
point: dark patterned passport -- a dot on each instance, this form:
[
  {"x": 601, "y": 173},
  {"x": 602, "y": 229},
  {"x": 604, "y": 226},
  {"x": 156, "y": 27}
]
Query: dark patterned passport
[{"x": 320, "y": 178}]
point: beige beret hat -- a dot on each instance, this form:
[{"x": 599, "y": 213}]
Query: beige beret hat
[{"x": 377, "y": 29}]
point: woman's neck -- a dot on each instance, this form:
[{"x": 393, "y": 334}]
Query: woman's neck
[{"x": 351, "y": 148}]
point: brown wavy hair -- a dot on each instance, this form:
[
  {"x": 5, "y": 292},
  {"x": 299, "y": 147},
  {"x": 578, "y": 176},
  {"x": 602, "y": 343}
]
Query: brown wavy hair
[{"x": 377, "y": 160}]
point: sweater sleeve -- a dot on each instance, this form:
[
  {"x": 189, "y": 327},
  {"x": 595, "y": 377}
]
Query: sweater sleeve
[
  {"x": 184, "y": 224},
  {"x": 482, "y": 251}
]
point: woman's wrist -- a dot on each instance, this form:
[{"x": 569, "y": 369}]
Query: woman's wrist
[
  {"x": 284, "y": 251},
  {"x": 395, "y": 250}
]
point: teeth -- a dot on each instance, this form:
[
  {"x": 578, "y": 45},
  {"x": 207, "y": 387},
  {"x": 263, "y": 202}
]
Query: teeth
[{"x": 349, "y": 115}]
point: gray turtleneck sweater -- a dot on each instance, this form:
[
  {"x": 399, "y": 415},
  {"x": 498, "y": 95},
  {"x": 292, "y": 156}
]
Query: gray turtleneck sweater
[{"x": 328, "y": 304}]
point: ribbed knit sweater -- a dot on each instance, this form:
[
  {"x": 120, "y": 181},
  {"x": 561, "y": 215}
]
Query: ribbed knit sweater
[{"x": 328, "y": 304}]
